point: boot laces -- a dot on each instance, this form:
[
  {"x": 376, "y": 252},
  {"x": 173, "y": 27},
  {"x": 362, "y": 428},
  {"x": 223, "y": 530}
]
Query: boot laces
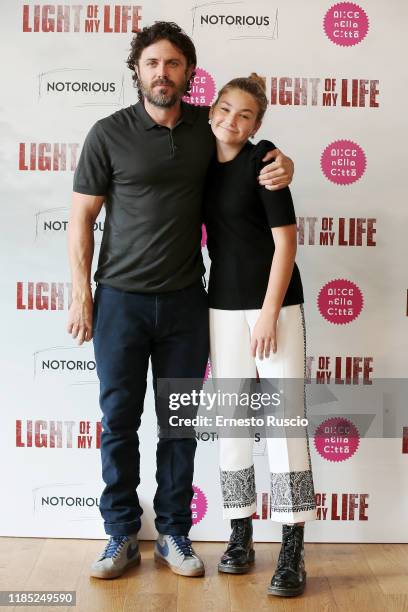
[
  {"x": 291, "y": 550},
  {"x": 238, "y": 532}
]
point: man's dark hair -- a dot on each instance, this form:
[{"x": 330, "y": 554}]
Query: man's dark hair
[{"x": 161, "y": 30}]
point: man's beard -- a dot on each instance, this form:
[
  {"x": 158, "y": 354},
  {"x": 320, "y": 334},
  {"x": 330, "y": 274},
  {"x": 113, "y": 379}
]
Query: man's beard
[{"x": 162, "y": 99}]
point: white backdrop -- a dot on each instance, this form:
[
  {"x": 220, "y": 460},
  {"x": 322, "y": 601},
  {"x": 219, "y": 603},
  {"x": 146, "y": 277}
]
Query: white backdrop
[{"x": 51, "y": 485}]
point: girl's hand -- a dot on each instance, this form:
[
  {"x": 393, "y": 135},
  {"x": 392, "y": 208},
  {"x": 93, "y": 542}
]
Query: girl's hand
[{"x": 263, "y": 339}]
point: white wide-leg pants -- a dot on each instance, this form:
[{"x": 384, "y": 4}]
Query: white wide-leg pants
[{"x": 291, "y": 480}]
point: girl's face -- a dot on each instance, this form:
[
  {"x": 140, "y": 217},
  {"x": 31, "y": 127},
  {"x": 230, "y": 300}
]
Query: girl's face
[{"x": 234, "y": 117}]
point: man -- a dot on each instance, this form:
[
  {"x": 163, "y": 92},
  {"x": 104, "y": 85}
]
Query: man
[{"x": 147, "y": 163}]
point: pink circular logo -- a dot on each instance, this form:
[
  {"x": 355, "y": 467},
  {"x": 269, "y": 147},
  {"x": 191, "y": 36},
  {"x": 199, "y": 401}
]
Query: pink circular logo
[
  {"x": 340, "y": 301},
  {"x": 337, "y": 439},
  {"x": 343, "y": 162},
  {"x": 346, "y": 24},
  {"x": 202, "y": 89},
  {"x": 198, "y": 505}
]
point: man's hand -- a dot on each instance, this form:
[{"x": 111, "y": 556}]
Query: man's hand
[
  {"x": 84, "y": 211},
  {"x": 279, "y": 173},
  {"x": 80, "y": 316}
]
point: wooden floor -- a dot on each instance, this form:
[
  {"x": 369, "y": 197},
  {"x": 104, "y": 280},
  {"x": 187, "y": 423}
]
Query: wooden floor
[{"x": 343, "y": 577}]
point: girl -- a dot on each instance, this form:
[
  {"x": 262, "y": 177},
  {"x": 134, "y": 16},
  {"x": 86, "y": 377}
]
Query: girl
[{"x": 256, "y": 323}]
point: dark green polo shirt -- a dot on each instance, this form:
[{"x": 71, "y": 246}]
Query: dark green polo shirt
[{"x": 153, "y": 178}]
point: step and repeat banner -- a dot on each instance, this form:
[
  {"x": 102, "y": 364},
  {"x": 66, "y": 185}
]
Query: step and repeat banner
[{"x": 337, "y": 101}]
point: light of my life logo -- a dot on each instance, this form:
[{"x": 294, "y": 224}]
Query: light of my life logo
[{"x": 222, "y": 399}]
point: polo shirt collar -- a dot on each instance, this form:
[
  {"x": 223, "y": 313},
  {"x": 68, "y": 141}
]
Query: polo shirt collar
[{"x": 148, "y": 122}]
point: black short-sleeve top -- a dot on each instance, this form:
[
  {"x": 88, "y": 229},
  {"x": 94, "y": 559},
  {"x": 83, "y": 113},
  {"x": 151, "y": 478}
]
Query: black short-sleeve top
[
  {"x": 239, "y": 214},
  {"x": 152, "y": 178}
]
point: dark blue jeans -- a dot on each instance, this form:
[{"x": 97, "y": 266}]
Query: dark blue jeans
[{"x": 129, "y": 328}]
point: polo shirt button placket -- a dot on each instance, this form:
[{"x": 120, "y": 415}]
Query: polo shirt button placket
[{"x": 172, "y": 145}]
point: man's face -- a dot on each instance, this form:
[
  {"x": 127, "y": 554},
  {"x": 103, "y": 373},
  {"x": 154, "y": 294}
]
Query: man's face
[{"x": 163, "y": 74}]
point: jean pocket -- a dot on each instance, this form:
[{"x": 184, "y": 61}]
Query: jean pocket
[{"x": 95, "y": 312}]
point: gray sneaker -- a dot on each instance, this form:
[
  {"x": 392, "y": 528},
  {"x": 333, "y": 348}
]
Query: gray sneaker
[
  {"x": 178, "y": 553},
  {"x": 120, "y": 553}
]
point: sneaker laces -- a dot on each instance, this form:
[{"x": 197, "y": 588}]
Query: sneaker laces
[
  {"x": 114, "y": 546},
  {"x": 184, "y": 545}
]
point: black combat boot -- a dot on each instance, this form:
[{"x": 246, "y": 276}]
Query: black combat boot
[
  {"x": 289, "y": 578},
  {"x": 240, "y": 553}
]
